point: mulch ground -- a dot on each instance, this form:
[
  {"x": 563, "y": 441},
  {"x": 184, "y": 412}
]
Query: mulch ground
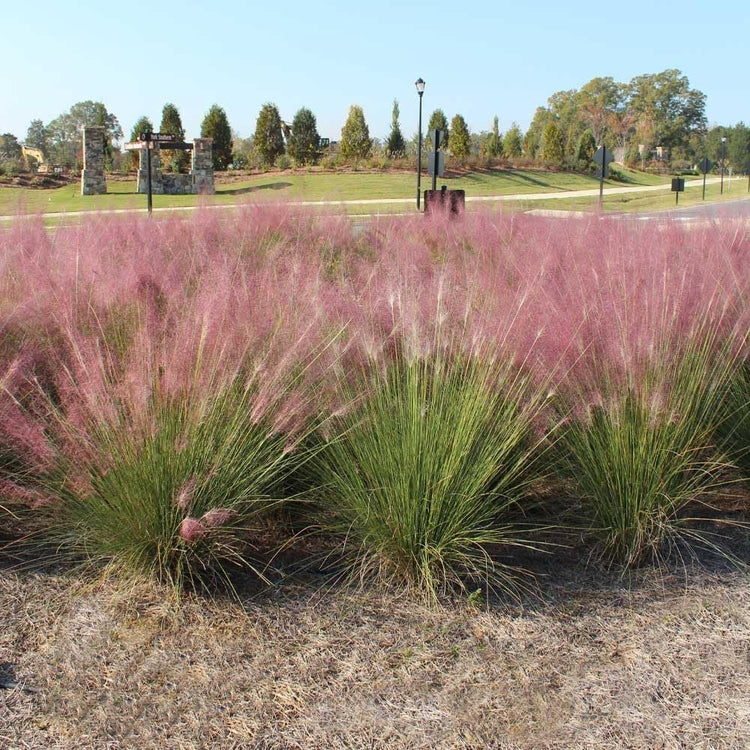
[{"x": 591, "y": 660}]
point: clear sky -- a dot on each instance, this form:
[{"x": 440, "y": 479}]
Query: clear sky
[{"x": 478, "y": 59}]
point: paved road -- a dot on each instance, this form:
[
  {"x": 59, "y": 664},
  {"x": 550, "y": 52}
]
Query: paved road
[
  {"x": 706, "y": 211},
  {"x": 566, "y": 194}
]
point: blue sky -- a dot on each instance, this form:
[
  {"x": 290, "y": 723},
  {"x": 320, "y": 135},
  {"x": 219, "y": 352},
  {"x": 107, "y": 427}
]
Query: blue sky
[{"x": 478, "y": 59}]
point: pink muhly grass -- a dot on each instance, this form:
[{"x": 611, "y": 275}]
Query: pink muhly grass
[
  {"x": 192, "y": 530},
  {"x": 217, "y": 517}
]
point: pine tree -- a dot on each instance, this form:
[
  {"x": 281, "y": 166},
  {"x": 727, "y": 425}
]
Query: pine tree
[
  {"x": 305, "y": 139},
  {"x": 355, "y": 135},
  {"x": 553, "y": 148},
  {"x": 216, "y": 125},
  {"x": 396, "y": 145},
  {"x": 268, "y": 140},
  {"x": 171, "y": 123},
  {"x": 460, "y": 138},
  {"x": 438, "y": 121},
  {"x": 512, "y": 143}
]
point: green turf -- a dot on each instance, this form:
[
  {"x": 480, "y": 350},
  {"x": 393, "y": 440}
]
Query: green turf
[{"x": 314, "y": 186}]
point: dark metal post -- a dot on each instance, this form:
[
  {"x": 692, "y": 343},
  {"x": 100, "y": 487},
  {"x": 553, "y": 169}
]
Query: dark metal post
[
  {"x": 419, "y": 83},
  {"x": 704, "y": 186},
  {"x": 601, "y": 175},
  {"x": 149, "y": 200},
  {"x": 419, "y": 155},
  {"x": 723, "y": 158},
  {"x": 436, "y": 146}
]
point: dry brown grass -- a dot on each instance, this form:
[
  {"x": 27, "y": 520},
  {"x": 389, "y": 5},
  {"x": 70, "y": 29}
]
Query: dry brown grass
[{"x": 662, "y": 662}]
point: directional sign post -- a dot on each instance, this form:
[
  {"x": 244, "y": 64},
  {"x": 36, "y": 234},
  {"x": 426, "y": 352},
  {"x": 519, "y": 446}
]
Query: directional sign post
[
  {"x": 603, "y": 158},
  {"x": 705, "y": 165},
  {"x": 436, "y": 164},
  {"x": 149, "y": 139}
]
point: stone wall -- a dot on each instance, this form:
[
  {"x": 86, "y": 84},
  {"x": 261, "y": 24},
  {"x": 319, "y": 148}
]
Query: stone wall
[
  {"x": 200, "y": 179},
  {"x": 93, "y": 181}
]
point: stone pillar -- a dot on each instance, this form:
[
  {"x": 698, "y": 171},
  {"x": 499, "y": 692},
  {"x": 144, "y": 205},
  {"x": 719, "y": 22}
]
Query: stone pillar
[
  {"x": 92, "y": 176},
  {"x": 157, "y": 182},
  {"x": 203, "y": 166}
]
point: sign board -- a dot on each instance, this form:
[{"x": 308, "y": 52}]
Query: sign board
[
  {"x": 705, "y": 165},
  {"x": 436, "y": 163},
  {"x": 324, "y": 142},
  {"x": 134, "y": 146},
  {"x": 158, "y": 137},
  {"x": 599, "y": 156},
  {"x": 678, "y": 184},
  {"x": 436, "y": 138}
]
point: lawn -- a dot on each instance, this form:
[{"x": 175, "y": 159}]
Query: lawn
[{"x": 314, "y": 186}]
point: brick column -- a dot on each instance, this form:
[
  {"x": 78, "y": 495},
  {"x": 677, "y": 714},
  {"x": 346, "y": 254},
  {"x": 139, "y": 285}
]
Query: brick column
[
  {"x": 203, "y": 166},
  {"x": 93, "y": 181}
]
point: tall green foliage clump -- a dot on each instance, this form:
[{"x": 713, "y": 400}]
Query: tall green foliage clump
[
  {"x": 142, "y": 125},
  {"x": 585, "y": 150},
  {"x": 494, "y": 141},
  {"x": 396, "y": 145},
  {"x": 355, "y": 135},
  {"x": 553, "y": 147},
  {"x": 438, "y": 121},
  {"x": 216, "y": 125},
  {"x": 305, "y": 139},
  {"x": 268, "y": 140},
  {"x": 513, "y": 142},
  {"x": 171, "y": 122},
  {"x": 460, "y": 138}
]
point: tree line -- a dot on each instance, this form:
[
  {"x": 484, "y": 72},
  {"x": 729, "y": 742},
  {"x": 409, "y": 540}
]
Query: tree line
[{"x": 653, "y": 116}]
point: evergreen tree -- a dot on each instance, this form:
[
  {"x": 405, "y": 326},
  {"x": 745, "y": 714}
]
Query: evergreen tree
[
  {"x": 305, "y": 139},
  {"x": 553, "y": 147},
  {"x": 494, "y": 146},
  {"x": 585, "y": 150},
  {"x": 512, "y": 144},
  {"x": 396, "y": 145},
  {"x": 36, "y": 136},
  {"x": 460, "y": 138},
  {"x": 143, "y": 125},
  {"x": 268, "y": 139},
  {"x": 216, "y": 125},
  {"x": 171, "y": 123},
  {"x": 355, "y": 135},
  {"x": 438, "y": 121}
]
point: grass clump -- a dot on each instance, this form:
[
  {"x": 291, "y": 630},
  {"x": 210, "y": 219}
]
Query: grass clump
[
  {"x": 638, "y": 455},
  {"x": 431, "y": 460},
  {"x": 178, "y": 496}
]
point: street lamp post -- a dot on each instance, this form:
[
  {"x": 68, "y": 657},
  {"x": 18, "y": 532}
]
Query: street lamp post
[
  {"x": 420, "y": 90},
  {"x": 723, "y": 158}
]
